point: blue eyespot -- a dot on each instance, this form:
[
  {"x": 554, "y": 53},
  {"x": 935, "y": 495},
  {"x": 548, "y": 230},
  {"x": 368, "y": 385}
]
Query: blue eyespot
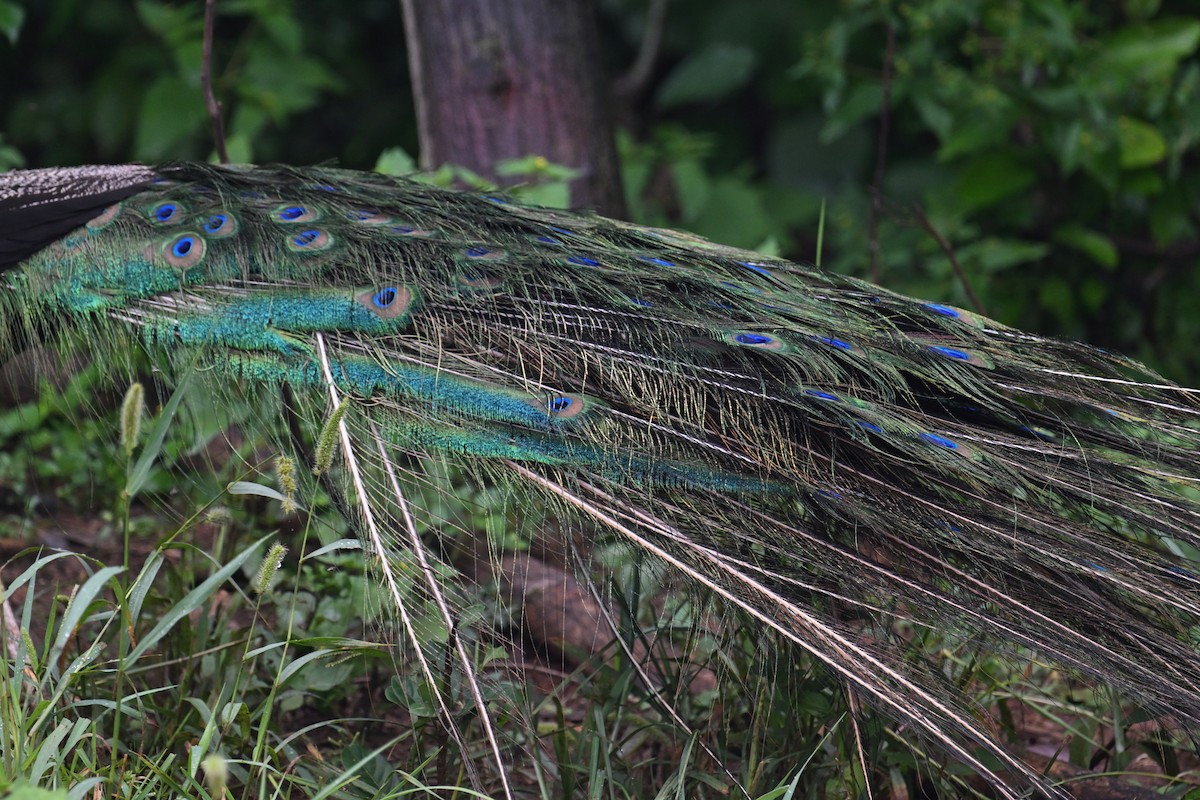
[
  {"x": 477, "y": 252},
  {"x": 384, "y": 297},
  {"x": 637, "y": 301},
  {"x": 950, "y": 352},
  {"x": 750, "y": 265},
  {"x": 165, "y": 212},
  {"x": 871, "y": 426},
  {"x": 560, "y": 403},
  {"x": 306, "y": 238},
  {"x": 215, "y": 223},
  {"x": 822, "y": 395},
  {"x": 183, "y": 246},
  {"x": 583, "y": 261},
  {"x": 945, "y": 311},
  {"x": 838, "y": 343},
  {"x": 940, "y": 441},
  {"x": 662, "y": 262},
  {"x": 753, "y": 338},
  {"x": 548, "y": 240},
  {"x": 292, "y": 213},
  {"x": 184, "y": 251}
]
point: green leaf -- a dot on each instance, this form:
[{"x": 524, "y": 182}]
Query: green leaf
[
  {"x": 193, "y": 600},
  {"x": 26, "y": 792},
  {"x": 1152, "y": 49},
  {"x": 990, "y": 178},
  {"x": 395, "y": 161},
  {"x": 993, "y": 253},
  {"x": 1140, "y": 143},
  {"x": 257, "y": 489},
  {"x": 12, "y": 17},
  {"x": 707, "y": 75},
  {"x": 154, "y": 439},
  {"x": 79, "y": 605},
  {"x": 171, "y": 112},
  {"x": 1095, "y": 246},
  {"x": 863, "y": 102}
]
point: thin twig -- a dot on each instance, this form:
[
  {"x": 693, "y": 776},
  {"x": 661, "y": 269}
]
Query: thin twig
[
  {"x": 927, "y": 225},
  {"x": 634, "y": 81},
  {"x": 885, "y": 121},
  {"x": 210, "y": 100}
]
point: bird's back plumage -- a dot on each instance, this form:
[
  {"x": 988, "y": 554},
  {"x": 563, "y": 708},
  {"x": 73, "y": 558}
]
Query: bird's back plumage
[{"x": 814, "y": 450}]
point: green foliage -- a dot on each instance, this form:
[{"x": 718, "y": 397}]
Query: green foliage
[
  {"x": 1048, "y": 142},
  {"x": 278, "y": 66}
]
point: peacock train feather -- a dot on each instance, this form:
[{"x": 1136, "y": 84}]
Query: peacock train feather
[{"x": 809, "y": 449}]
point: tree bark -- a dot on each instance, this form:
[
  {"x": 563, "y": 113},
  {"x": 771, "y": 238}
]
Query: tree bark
[{"x": 496, "y": 80}]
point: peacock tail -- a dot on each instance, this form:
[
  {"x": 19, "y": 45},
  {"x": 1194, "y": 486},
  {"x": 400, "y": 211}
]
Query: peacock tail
[{"x": 809, "y": 449}]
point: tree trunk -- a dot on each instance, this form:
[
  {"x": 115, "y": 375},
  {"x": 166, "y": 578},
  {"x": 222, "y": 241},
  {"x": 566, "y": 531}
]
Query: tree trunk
[{"x": 497, "y": 80}]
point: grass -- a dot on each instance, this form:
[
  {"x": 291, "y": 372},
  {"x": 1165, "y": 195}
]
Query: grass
[{"x": 207, "y": 643}]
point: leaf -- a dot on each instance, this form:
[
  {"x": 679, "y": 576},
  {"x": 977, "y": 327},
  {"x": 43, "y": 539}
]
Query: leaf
[
  {"x": 1095, "y": 246},
  {"x": 154, "y": 439},
  {"x": 194, "y": 599},
  {"x": 990, "y": 178},
  {"x": 257, "y": 489},
  {"x": 1140, "y": 143},
  {"x": 707, "y": 75},
  {"x": 1152, "y": 49},
  {"x": 993, "y": 254},
  {"x": 395, "y": 161},
  {"x": 171, "y": 112},
  {"x": 863, "y": 102},
  {"x": 12, "y": 17}
]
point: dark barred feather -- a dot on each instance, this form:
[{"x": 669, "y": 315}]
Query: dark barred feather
[{"x": 811, "y": 449}]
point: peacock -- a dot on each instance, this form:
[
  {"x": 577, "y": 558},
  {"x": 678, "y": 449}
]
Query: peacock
[{"x": 817, "y": 453}]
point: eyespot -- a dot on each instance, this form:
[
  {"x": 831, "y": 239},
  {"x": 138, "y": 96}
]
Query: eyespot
[
  {"x": 584, "y": 261},
  {"x": 367, "y": 216},
  {"x": 945, "y": 311},
  {"x": 950, "y": 352},
  {"x": 761, "y": 341},
  {"x": 410, "y": 230},
  {"x": 220, "y": 225},
  {"x": 756, "y": 268},
  {"x": 101, "y": 220},
  {"x": 483, "y": 253},
  {"x": 940, "y": 441},
  {"x": 389, "y": 302},
  {"x": 564, "y": 406},
  {"x": 184, "y": 251},
  {"x": 167, "y": 213},
  {"x": 832, "y": 342},
  {"x": 660, "y": 262},
  {"x": 477, "y": 279},
  {"x": 294, "y": 213},
  {"x": 308, "y": 241}
]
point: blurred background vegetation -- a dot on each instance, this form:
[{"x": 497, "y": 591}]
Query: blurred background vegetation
[{"x": 1048, "y": 141}]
